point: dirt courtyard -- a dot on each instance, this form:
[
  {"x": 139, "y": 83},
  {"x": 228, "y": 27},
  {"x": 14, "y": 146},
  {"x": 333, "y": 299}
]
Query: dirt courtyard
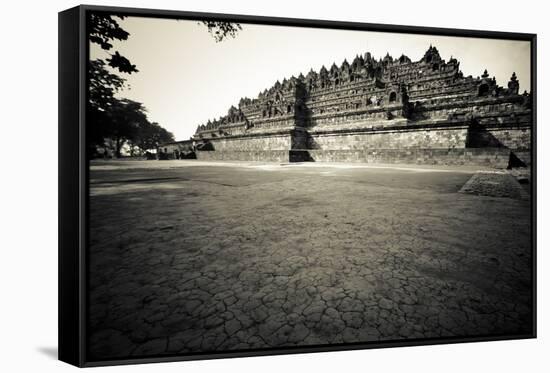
[{"x": 192, "y": 257}]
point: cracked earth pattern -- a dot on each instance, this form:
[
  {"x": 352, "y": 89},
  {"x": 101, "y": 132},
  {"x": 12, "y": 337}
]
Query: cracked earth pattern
[{"x": 203, "y": 259}]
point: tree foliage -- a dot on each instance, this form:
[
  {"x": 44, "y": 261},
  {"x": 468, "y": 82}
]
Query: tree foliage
[
  {"x": 222, "y": 30},
  {"x": 102, "y": 87},
  {"x": 102, "y": 84},
  {"x": 125, "y": 118},
  {"x": 103, "y": 29},
  {"x": 116, "y": 121},
  {"x": 128, "y": 123},
  {"x": 112, "y": 120},
  {"x": 151, "y": 136}
]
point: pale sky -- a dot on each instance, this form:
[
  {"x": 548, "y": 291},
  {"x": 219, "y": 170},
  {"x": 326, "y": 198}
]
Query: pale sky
[{"x": 186, "y": 78}]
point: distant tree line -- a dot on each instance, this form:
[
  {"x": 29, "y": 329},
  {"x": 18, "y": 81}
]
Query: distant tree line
[{"x": 114, "y": 122}]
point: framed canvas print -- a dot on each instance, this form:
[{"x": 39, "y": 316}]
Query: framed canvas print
[{"x": 238, "y": 186}]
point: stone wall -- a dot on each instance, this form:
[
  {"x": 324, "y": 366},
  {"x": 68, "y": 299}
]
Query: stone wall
[
  {"x": 253, "y": 143},
  {"x": 435, "y": 144},
  {"x": 517, "y": 139},
  {"x": 267, "y": 148},
  {"x": 445, "y": 138},
  {"x": 486, "y": 157},
  {"x": 281, "y": 156}
]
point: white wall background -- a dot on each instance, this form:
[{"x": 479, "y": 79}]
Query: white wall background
[{"x": 28, "y": 194}]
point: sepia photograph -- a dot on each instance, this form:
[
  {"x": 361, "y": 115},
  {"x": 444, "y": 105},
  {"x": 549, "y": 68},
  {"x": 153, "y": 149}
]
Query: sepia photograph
[{"x": 259, "y": 187}]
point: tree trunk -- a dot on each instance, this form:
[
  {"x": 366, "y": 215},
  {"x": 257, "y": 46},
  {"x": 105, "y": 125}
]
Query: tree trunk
[{"x": 118, "y": 145}]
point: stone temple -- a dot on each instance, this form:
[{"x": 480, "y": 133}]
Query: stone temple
[{"x": 388, "y": 111}]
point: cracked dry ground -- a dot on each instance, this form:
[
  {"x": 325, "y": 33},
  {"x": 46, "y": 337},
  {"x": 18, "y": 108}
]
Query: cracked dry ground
[{"x": 198, "y": 259}]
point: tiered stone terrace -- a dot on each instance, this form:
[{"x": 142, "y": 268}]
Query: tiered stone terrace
[{"x": 387, "y": 110}]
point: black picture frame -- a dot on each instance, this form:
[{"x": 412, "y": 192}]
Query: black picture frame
[{"x": 73, "y": 166}]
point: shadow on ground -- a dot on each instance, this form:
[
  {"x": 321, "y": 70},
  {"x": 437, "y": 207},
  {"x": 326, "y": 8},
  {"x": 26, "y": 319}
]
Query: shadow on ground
[{"x": 50, "y": 352}]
